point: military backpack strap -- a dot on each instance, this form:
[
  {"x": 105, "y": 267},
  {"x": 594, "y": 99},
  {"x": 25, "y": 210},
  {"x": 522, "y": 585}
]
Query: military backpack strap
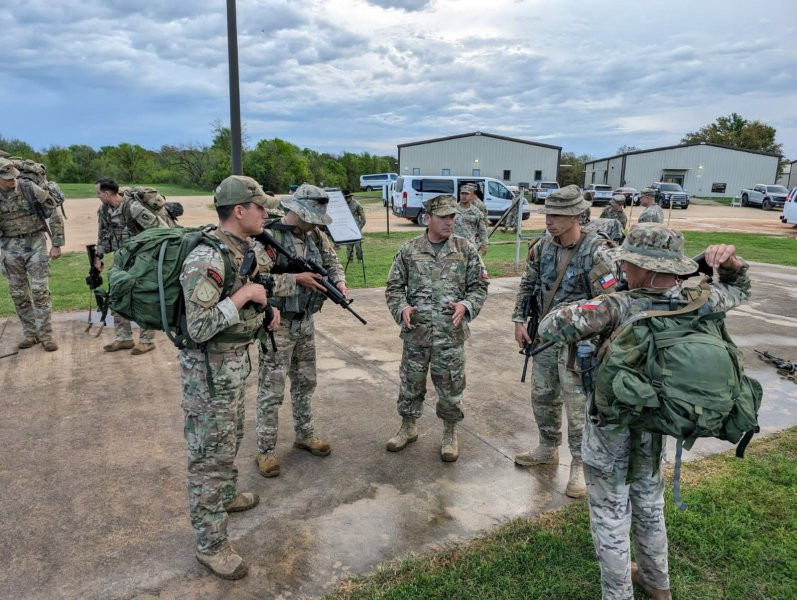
[
  {"x": 34, "y": 208},
  {"x": 566, "y": 261}
]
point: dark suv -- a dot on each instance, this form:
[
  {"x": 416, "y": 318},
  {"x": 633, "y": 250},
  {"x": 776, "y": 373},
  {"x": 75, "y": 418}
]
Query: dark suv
[{"x": 670, "y": 192}]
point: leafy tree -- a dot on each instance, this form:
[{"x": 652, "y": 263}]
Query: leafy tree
[
  {"x": 17, "y": 147},
  {"x": 276, "y": 164},
  {"x": 188, "y": 162},
  {"x": 624, "y": 149},
  {"x": 60, "y": 164},
  {"x": 737, "y": 132},
  {"x": 571, "y": 168},
  {"x": 127, "y": 163}
]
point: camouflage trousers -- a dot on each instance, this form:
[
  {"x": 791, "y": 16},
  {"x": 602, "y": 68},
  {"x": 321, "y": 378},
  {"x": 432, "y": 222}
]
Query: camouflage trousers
[
  {"x": 214, "y": 429},
  {"x": 553, "y": 385},
  {"x": 27, "y": 267},
  {"x": 447, "y": 365},
  {"x": 124, "y": 331},
  {"x": 295, "y": 358},
  {"x": 354, "y": 249},
  {"x": 617, "y": 508}
]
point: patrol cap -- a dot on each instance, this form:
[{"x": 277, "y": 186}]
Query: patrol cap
[
  {"x": 441, "y": 205},
  {"x": 239, "y": 189},
  {"x": 468, "y": 188},
  {"x": 654, "y": 247},
  {"x": 565, "y": 201},
  {"x": 618, "y": 199},
  {"x": 310, "y": 203},
  {"x": 648, "y": 192},
  {"x": 7, "y": 169}
]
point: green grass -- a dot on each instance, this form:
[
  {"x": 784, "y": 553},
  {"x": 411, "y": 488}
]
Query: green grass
[
  {"x": 70, "y": 292},
  {"x": 719, "y": 199},
  {"x": 86, "y": 190},
  {"x": 372, "y": 197},
  {"x": 737, "y": 540}
]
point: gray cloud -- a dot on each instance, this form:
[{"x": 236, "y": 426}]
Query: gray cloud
[{"x": 408, "y": 5}]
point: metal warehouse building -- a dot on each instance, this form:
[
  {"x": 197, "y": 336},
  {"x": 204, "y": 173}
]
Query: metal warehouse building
[
  {"x": 480, "y": 154},
  {"x": 702, "y": 169}
]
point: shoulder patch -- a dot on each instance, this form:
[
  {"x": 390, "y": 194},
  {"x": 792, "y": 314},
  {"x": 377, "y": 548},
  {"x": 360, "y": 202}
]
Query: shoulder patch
[
  {"x": 590, "y": 305},
  {"x": 215, "y": 276},
  {"x": 607, "y": 280},
  {"x": 272, "y": 254}
]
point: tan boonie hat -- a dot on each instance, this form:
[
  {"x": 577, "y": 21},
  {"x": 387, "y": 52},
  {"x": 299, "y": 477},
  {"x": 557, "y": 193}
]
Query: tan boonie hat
[
  {"x": 468, "y": 188},
  {"x": 310, "y": 203},
  {"x": 441, "y": 206},
  {"x": 239, "y": 189},
  {"x": 565, "y": 201},
  {"x": 654, "y": 247},
  {"x": 648, "y": 192},
  {"x": 7, "y": 169},
  {"x": 618, "y": 199}
]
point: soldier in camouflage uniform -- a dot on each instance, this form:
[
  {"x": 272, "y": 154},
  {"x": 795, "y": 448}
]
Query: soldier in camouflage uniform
[
  {"x": 213, "y": 377},
  {"x": 653, "y": 260},
  {"x": 652, "y": 212},
  {"x": 25, "y": 209},
  {"x": 615, "y": 210},
  {"x": 298, "y": 231},
  {"x": 473, "y": 191},
  {"x": 120, "y": 217},
  {"x": 359, "y": 217},
  {"x": 587, "y": 271},
  {"x": 437, "y": 284},
  {"x": 470, "y": 223}
]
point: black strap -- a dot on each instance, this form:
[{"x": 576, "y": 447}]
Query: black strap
[
  {"x": 676, "y": 482},
  {"x": 746, "y": 440}
]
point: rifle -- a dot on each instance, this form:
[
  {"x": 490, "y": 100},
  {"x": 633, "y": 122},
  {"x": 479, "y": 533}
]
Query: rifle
[
  {"x": 531, "y": 311},
  {"x": 94, "y": 281},
  {"x": 297, "y": 264},
  {"x": 784, "y": 367},
  {"x": 267, "y": 281}
]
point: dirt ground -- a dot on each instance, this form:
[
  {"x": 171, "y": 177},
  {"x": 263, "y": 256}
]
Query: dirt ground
[{"x": 81, "y": 224}]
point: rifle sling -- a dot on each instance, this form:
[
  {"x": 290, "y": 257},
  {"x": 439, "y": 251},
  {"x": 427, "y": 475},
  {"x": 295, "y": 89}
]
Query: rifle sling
[{"x": 561, "y": 275}]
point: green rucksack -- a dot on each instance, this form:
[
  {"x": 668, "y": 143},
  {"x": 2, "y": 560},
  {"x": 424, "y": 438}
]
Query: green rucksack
[
  {"x": 145, "y": 278},
  {"x": 674, "y": 370}
]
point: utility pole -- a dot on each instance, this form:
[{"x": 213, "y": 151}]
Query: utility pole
[{"x": 235, "y": 94}]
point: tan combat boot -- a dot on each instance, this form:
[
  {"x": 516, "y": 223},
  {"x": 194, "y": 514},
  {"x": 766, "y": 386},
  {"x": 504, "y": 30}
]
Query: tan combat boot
[
  {"x": 119, "y": 345},
  {"x": 406, "y": 434},
  {"x": 268, "y": 464},
  {"x": 576, "y": 488},
  {"x": 226, "y": 563},
  {"x": 654, "y": 593},
  {"x": 541, "y": 455},
  {"x": 242, "y": 501},
  {"x": 142, "y": 348},
  {"x": 449, "y": 448},
  {"x": 28, "y": 342},
  {"x": 314, "y": 445}
]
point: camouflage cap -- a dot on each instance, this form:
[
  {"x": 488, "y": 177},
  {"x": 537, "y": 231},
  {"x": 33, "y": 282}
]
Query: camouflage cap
[
  {"x": 468, "y": 188},
  {"x": 310, "y": 203},
  {"x": 441, "y": 206},
  {"x": 7, "y": 169},
  {"x": 654, "y": 247},
  {"x": 239, "y": 189},
  {"x": 565, "y": 201},
  {"x": 618, "y": 199},
  {"x": 648, "y": 191}
]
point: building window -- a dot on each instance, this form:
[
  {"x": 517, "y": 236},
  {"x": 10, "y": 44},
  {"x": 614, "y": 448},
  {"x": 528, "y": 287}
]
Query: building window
[
  {"x": 446, "y": 172},
  {"x": 507, "y": 174},
  {"x": 537, "y": 175},
  {"x": 476, "y": 172},
  {"x": 416, "y": 170}
]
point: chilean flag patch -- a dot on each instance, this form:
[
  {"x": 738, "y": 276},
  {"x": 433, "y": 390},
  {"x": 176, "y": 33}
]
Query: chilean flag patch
[
  {"x": 607, "y": 281},
  {"x": 591, "y": 305},
  {"x": 484, "y": 274}
]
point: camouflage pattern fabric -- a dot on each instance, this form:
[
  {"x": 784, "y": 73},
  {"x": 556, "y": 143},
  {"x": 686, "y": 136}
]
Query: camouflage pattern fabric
[
  {"x": 470, "y": 224},
  {"x": 447, "y": 366},
  {"x": 617, "y": 507},
  {"x": 112, "y": 231},
  {"x": 479, "y": 203},
  {"x": 123, "y": 330},
  {"x": 610, "y": 213},
  {"x": 295, "y": 358},
  {"x": 138, "y": 217},
  {"x": 585, "y": 217},
  {"x": 357, "y": 212},
  {"x": 656, "y": 248},
  {"x": 652, "y": 214}
]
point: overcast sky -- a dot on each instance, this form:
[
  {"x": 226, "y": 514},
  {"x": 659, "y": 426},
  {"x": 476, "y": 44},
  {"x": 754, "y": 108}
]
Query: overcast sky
[{"x": 362, "y": 75}]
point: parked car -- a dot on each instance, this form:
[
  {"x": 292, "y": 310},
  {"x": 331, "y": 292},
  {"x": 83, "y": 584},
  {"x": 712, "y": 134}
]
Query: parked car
[
  {"x": 598, "y": 193},
  {"x": 375, "y": 181},
  {"x": 670, "y": 192},
  {"x": 540, "y": 190},
  {"x": 790, "y": 208},
  {"x": 411, "y": 191},
  {"x": 765, "y": 196},
  {"x": 631, "y": 195}
]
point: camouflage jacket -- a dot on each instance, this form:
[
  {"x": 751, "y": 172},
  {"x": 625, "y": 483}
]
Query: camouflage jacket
[
  {"x": 610, "y": 213},
  {"x": 138, "y": 217},
  {"x": 357, "y": 212},
  {"x": 18, "y": 217},
  {"x": 112, "y": 230},
  {"x": 589, "y": 273},
  {"x": 429, "y": 282},
  {"x": 479, "y": 203},
  {"x": 470, "y": 224},
  {"x": 652, "y": 214}
]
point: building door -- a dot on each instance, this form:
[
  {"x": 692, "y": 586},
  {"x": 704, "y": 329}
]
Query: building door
[{"x": 673, "y": 177}]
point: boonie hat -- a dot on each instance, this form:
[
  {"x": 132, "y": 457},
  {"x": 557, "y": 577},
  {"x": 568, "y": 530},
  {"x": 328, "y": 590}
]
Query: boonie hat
[
  {"x": 648, "y": 192},
  {"x": 310, "y": 203},
  {"x": 565, "y": 201},
  {"x": 239, "y": 189},
  {"x": 7, "y": 169},
  {"x": 654, "y": 247},
  {"x": 441, "y": 205},
  {"x": 617, "y": 199}
]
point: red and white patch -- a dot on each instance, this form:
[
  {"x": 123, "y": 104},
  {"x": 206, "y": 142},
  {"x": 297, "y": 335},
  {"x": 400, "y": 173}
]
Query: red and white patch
[
  {"x": 218, "y": 279},
  {"x": 591, "y": 305},
  {"x": 484, "y": 274},
  {"x": 607, "y": 281},
  {"x": 272, "y": 254}
]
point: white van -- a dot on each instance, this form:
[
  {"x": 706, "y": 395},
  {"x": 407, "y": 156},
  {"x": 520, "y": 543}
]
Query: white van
[
  {"x": 376, "y": 181},
  {"x": 410, "y": 192}
]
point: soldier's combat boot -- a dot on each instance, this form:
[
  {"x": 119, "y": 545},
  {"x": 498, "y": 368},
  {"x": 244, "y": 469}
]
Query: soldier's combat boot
[
  {"x": 654, "y": 593},
  {"x": 268, "y": 465},
  {"x": 119, "y": 345},
  {"x": 142, "y": 348},
  {"x": 28, "y": 342},
  {"x": 449, "y": 448},
  {"x": 226, "y": 563},
  {"x": 575, "y": 483},
  {"x": 541, "y": 455},
  {"x": 242, "y": 501},
  {"x": 49, "y": 345},
  {"x": 406, "y": 434},
  {"x": 314, "y": 445}
]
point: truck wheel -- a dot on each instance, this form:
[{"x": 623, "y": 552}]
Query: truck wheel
[
  {"x": 367, "y": 188},
  {"x": 766, "y": 204},
  {"x": 744, "y": 200}
]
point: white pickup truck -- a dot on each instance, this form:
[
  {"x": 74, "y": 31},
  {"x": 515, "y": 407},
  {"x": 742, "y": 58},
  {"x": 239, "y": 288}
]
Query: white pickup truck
[{"x": 765, "y": 196}]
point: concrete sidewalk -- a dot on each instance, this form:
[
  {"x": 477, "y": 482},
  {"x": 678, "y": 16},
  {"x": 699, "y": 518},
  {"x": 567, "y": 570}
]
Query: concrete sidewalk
[{"x": 93, "y": 468}]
